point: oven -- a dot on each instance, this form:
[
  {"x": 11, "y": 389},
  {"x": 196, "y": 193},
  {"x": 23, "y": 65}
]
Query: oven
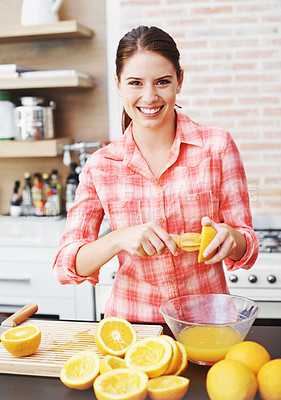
[{"x": 262, "y": 282}]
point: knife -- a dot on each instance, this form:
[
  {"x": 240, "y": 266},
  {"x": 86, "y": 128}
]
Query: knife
[{"x": 21, "y": 315}]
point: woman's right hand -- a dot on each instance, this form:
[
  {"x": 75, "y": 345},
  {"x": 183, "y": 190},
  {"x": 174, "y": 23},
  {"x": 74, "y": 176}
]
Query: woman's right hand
[{"x": 146, "y": 240}]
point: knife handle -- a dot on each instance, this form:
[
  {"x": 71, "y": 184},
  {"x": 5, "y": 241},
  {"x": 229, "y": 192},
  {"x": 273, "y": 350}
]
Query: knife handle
[{"x": 21, "y": 315}]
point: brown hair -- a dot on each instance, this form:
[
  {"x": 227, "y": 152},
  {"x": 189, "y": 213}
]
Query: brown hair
[{"x": 145, "y": 38}]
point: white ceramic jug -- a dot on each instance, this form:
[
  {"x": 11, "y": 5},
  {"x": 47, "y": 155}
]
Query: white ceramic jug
[{"x": 36, "y": 12}]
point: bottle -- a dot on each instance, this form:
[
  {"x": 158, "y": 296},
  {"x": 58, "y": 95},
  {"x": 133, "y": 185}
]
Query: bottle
[
  {"x": 71, "y": 186},
  {"x": 15, "y": 207},
  {"x": 56, "y": 193},
  {"x": 27, "y": 207},
  {"x": 37, "y": 195},
  {"x": 47, "y": 194}
]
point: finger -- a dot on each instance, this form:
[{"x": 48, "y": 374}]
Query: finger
[
  {"x": 149, "y": 249},
  {"x": 215, "y": 243},
  {"x": 167, "y": 240},
  {"x": 206, "y": 221},
  {"x": 222, "y": 253},
  {"x": 157, "y": 243},
  {"x": 138, "y": 250}
]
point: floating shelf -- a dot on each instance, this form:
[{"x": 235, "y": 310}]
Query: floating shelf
[
  {"x": 36, "y": 148},
  {"x": 59, "y": 30},
  {"x": 50, "y": 82}
]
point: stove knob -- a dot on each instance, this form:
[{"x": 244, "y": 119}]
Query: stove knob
[
  {"x": 252, "y": 278},
  {"x": 271, "y": 278},
  {"x": 233, "y": 278}
]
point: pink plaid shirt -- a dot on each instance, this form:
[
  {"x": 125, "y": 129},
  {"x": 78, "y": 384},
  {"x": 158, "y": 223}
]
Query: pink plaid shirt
[{"x": 204, "y": 176}]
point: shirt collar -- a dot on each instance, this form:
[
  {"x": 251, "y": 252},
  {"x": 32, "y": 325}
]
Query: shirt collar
[{"x": 188, "y": 132}]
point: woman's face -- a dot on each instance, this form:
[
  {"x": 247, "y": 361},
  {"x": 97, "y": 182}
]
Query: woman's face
[{"x": 148, "y": 85}]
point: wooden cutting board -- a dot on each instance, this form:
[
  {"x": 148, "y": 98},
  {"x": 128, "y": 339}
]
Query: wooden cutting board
[{"x": 60, "y": 340}]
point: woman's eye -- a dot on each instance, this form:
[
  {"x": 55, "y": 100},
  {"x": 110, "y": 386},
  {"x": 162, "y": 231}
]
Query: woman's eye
[
  {"x": 163, "y": 82},
  {"x": 134, "y": 83}
]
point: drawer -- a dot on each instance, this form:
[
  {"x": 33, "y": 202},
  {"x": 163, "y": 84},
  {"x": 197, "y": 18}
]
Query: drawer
[
  {"x": 107, "y": 271},
  {"x": 26, "y": 253},
  {"x": 64, "y": 308},
  {"x": 102, "y": 293},
  {"x": 32, "y": 279}
]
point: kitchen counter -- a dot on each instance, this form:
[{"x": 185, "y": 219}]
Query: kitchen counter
[{"x": 14, "y": 387}]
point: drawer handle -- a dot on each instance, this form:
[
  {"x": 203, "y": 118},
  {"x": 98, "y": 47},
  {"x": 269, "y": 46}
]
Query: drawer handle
[{"x": 17, "y": 280}]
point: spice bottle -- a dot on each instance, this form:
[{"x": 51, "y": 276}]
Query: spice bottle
[
  {"x": 71, "y": 186},
  {"x": 15, "y": 207},
  {"x": 27, "y": 207},
  {"x": 37, "y": 195}
]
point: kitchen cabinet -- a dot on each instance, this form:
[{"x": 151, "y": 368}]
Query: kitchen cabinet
[
  {"x": 28, "y": 248},
  {"x": 104, "y": 287}
]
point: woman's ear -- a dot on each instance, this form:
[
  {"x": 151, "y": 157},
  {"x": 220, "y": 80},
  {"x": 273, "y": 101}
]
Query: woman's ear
[
  {"x": 117, "y": 83},
  {"x": 180, "y": 81}
]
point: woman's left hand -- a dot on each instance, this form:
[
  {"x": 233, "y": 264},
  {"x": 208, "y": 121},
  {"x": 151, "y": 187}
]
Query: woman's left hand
[{"x": 228, "y": 242}]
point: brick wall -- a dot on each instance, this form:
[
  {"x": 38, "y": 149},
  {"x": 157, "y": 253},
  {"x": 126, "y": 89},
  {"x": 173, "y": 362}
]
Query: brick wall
[{"x": 231, "y": 55}]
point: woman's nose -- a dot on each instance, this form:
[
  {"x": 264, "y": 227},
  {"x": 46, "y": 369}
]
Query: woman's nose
[{"x": 150, "y": 94}]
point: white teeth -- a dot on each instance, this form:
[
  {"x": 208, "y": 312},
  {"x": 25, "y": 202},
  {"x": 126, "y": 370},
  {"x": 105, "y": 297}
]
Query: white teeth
[{"x": 150, "y": 110}]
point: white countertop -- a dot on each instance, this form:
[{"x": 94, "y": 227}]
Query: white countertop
[{"x": 32, "y": 231}]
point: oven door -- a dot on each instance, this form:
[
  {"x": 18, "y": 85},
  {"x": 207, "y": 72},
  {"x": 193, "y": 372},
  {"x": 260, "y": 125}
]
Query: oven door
[{"x": 262, "y": 283}]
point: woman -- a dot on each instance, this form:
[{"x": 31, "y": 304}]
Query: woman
[{"x": 165, "y": 176}]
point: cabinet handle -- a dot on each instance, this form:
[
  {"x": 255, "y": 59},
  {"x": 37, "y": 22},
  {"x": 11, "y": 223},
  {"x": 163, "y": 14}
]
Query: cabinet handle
[{"x": 17, "y": 280}]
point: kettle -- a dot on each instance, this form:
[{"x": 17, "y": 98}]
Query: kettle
[{"x": 36, "y": 12}]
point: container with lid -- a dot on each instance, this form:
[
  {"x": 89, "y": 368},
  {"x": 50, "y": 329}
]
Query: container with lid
[
  {"x": 7, "y": 116},
  {"x": 34, "y": 120}
]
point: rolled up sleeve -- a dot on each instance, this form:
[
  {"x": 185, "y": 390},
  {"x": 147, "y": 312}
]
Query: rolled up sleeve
[
  {"x": 82, "y": 227},
  {"x": 235, "y": 206}
]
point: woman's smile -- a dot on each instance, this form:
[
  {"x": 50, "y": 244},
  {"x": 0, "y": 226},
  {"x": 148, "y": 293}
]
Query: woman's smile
[{"x": 149, "y": 111}]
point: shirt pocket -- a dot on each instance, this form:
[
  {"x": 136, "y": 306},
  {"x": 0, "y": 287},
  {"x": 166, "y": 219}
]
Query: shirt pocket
[
  {"x": 194, "y": 206},
  {"x": 122, "y": 214}
]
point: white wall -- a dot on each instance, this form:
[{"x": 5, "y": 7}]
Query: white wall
[{"x": 113, "y": 37}]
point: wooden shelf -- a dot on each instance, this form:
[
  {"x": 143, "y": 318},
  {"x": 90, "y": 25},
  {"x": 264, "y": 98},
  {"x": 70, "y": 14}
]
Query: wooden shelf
[
  {"x": 36, "y": 148},
  {"x": 59, "y": 30},
  {"x": 50, "y": 82}
]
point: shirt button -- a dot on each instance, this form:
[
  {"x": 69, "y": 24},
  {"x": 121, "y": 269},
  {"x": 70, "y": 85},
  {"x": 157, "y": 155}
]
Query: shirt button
[
  {"x": 172, "y": 280},
  {"x": 159, "y": 192},
  {"x": 197, "y": 197},
  {"x": 123, "y": 205},
  {"x": 166, "y": 251},
  {"x": 161, "y": 220}
]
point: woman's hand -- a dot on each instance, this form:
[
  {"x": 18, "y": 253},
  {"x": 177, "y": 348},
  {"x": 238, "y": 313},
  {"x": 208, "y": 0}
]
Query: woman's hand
[
  {"x": 228, "y": 242},
  {"x": 146, "y": 240}
]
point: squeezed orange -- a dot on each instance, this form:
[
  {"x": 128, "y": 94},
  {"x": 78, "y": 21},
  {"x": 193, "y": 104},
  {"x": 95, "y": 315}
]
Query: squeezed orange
[{"x": 208, "y": 344}]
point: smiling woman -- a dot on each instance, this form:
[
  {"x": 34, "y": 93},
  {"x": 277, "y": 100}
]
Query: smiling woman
[{"x": 159, "y": 179}]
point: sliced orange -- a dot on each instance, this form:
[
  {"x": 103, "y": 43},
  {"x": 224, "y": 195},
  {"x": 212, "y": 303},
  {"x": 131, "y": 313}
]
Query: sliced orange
[
  {"x": 114, "y": 336},
  {"x": 207, "y": 235},
  {"x": 168, "y": 387},
  {"x": 184, "y": 360},
  {"x": 121, "y": 384},
  {"x": 189, "y": 241},
  {"x": 111, "y": 362},
  {"x": 22, "y": 340},
  {"x": 80, "y": 370},
  {"x": 176, "y": 356},
  {"x": 151, "y": 355}
]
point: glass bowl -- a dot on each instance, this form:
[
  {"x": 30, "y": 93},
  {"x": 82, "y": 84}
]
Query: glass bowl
[{"x": 208, "y": 325}]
